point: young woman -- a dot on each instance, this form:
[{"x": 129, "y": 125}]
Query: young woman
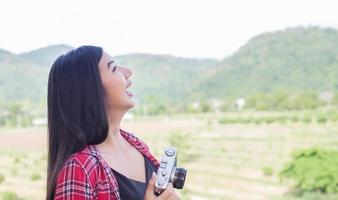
[{"x": 89, "y": 155}]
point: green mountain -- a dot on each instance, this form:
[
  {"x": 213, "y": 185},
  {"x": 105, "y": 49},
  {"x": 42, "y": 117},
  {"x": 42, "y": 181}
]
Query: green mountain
[
  {"x": 45, "y": 56},
  {"x": 156, "y": 77},
  {"x": 296, "y": 59},
  {"x": 165, "y": 78},
  {"x": 4, "y": 55},
  {"x": 24, "y": 76}
]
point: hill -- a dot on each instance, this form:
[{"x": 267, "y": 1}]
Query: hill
[
  {"x": 295, "y": 59},
  {"x": 291, "y": 60},
  {"x": 156, "y": 77}
]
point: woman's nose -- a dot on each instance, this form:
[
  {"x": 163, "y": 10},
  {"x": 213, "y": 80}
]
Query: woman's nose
[{"x": 128, "y": 73}]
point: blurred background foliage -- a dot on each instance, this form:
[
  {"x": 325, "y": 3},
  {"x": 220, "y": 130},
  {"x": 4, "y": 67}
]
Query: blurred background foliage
[{"x": 293, "y": 69}]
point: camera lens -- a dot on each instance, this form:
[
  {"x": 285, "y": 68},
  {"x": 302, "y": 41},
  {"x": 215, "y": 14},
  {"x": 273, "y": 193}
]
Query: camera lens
[{"x": 179, "y": 179}]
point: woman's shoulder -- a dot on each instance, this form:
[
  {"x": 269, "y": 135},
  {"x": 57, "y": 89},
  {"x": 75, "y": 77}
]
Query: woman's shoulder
[
  {"x": 85, "y": 158},
  {"x": 78, "y": 175}
]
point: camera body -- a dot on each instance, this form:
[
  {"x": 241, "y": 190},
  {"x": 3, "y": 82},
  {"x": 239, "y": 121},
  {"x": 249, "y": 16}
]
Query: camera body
[{"x": 168, "y": 172}]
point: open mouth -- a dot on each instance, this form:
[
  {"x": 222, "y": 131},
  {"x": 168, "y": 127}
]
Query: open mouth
[{"x": 128, "y": 92}]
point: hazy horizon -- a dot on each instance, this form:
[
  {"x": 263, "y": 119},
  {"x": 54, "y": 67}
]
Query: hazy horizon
[
  {"x": 196, "y": 29},
  {"x": 162, "y": 54}
]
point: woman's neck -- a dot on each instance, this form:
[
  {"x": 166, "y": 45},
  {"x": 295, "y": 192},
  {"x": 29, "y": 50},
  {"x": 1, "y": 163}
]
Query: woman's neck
[{"x": 114, "y": 141}]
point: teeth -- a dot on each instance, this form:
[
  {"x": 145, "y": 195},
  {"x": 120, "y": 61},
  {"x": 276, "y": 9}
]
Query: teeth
[
  {"x": 129, "y": 93},
  {"x": 130, "y": 82}
]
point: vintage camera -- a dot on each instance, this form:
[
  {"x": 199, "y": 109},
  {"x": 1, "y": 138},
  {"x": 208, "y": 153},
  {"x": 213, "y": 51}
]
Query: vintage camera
[{"x": 168, "y": 172}]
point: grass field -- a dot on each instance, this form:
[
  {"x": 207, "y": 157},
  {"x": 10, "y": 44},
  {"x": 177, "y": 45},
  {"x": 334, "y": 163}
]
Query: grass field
[{"x": 224, "y": 160}]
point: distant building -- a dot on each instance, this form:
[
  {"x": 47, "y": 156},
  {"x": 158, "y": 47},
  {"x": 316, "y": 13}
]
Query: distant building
[
  {"x": 240, "y": 103},
  {"x": 39, "y": 122},
  {"x": 195, "y": 105},
  {"x": 128, "y": 116}
]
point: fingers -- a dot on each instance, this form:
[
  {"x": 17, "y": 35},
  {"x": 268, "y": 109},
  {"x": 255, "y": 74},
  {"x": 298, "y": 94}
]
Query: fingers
[
  {"x": 151, "y": 185},
  {"x": 174, "y": 196},
  {"x": 168, "y": 193}
]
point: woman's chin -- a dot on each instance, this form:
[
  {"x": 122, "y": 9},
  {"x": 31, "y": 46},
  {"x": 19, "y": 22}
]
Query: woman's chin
[{"x": 131, "y": 103}]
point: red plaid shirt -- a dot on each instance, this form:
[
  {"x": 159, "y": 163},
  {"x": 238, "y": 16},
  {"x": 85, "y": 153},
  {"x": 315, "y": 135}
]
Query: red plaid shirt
[{"x": 85, "y": 175}]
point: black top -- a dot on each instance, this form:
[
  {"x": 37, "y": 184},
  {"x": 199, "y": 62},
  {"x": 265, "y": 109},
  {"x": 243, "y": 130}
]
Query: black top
[{"x": 130, "y": 189}]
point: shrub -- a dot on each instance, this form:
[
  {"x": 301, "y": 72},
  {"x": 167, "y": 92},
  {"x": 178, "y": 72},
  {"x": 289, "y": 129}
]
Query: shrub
[
  {"x": 258, "y": 121},
  {"x": 247, "y": 120},
  {"x": 35, "y": 176},
  {"x": 303, "y": 195},
  {"x": 321, "y": 118},
  {"x": 241, "y": 120},
  {"x": 14, "y": 171},
  {"x": 2, "y": 178},
  {"x": 334, "y": 117},
  {"x": 306, "y": 119},
  {"x": 313, "y": 169},
  {"x": 235, "y": 120},
  {"x": 230, "y": 120},
  {"x": 224, "y": 120},
  {"x": 282, "y": 119},
  {"x": 268, "y": 119},
  {"x": 295, "y": 118},
  {"x": 9, "y": 196},
  {"x": 268, "y": 171},
  {"x": 17, "y": 160}
]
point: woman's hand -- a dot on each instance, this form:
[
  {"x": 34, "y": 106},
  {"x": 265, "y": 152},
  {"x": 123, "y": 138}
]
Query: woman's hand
[{"x": 168, "y": 194}]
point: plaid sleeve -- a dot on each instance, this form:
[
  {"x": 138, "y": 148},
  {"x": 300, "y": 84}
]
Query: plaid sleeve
[{"x": 73, "y": 182}]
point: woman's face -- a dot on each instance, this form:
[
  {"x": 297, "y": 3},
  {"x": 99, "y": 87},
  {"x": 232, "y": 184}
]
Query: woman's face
[{"x": 115, "y": 80}]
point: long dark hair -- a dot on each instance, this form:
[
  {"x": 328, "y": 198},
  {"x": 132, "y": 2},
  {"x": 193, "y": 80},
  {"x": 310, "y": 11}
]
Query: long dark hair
[{"x": 76, "y": 108}]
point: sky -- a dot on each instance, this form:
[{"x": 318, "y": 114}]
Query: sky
[{"x": 185, "y": 28}]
